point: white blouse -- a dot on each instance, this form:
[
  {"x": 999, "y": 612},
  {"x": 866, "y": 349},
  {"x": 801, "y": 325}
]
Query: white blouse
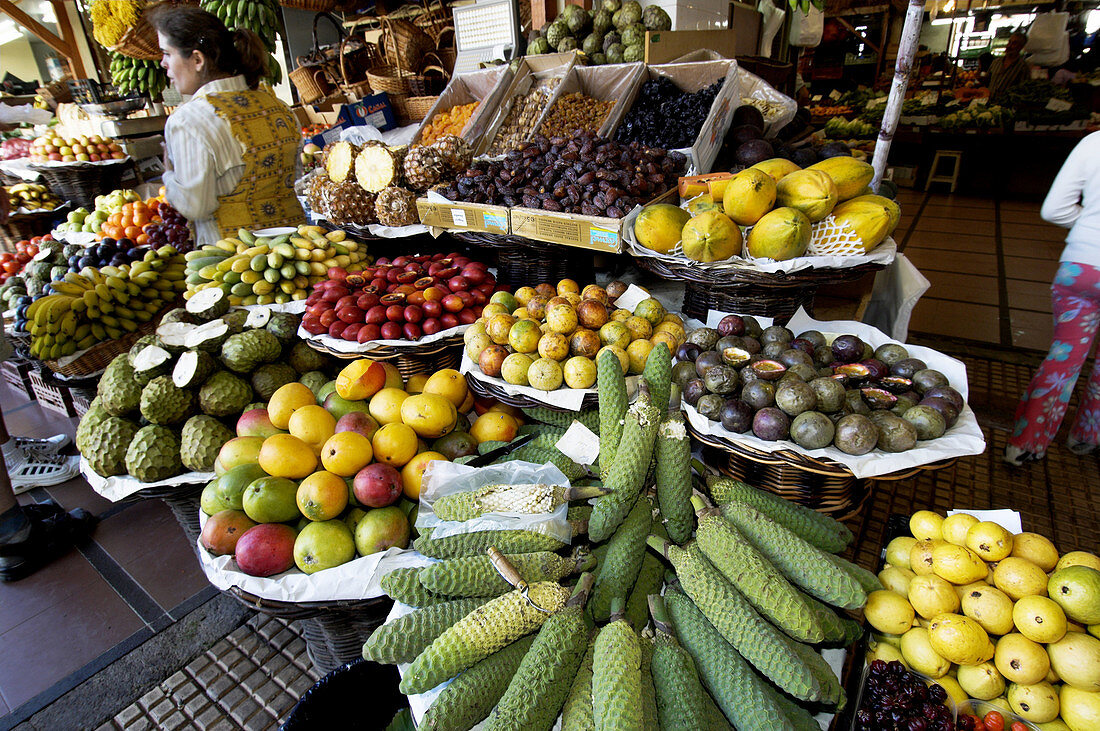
[{"x": 204, "y": 159}]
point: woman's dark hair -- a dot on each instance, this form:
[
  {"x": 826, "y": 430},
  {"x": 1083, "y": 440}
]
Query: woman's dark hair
[{"x": 233, "y": 52}]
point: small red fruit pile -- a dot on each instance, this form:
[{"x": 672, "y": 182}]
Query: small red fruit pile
[
  {"x": 992, "y": 721},
  {"x": 400, "y": 299},
  {"x": 11, "y": 263}
]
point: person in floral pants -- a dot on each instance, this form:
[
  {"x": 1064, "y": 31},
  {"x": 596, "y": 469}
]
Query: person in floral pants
[{"x": 1074, "y": 202}]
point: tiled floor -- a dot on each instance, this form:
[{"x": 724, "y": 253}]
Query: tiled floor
[{"x": 102, "y": 610}]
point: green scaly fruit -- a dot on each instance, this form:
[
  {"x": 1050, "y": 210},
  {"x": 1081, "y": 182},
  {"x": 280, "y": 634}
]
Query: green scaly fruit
[
  {"x": 529, "y": 453},
  {"x": 673, "y": 473},
  {"x": 471, "y": 697},
  {"x": 802, "y": 563},
  {"x": 611, "y": 386},
  {"x": 731, "y": 614},
  {"x": 163, "y": 402},
  {"x": 839, "y": 629},
  {"x": 406, "y": 637},
  {"x": 118, "y": 392},
  {"x": 154, "y": 454},
  {"x": 743, "y": 696},
  {"x": 590, "y": 417},
  {"x": 94, "y": 415},
  {"x": 650, "y": 718},
  {"x": 538, "y": 690},
  {"x": 471, "y": 576},
  {"x": 619, "y": 567},
  {"x": 267, "y": 379},
  {"x": 471, "y": 544},
  {"x": 820, "y": 530},
  {"x": 245, "y": 351},
  {"x": 657, "y": 373},
  {"x": 484, "y": 631},
  {"x": 305, "y": 359},
  {"x": 224, "y": 394},
  {"x": 576, "y": 714},
  {"x": 404, "y": 585},
  {"x": 105, "y": 445},
  {"x": 863, "y": 577},
  {"x": 617, "y": 675},
  {"x": 756, "y": 578},
  {"x": 650, "y": 577},
  {"x": 680, "y": 695},
  {"x": 628, "y": 472},
  {"x": 201, "y": 439}
]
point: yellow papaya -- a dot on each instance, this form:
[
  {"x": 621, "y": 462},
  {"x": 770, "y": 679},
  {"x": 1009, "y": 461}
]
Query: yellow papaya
[
  {"x": 889, "y": 204},
  {"x": 811, "y": 191},
  {"x": 850, "y": 175},
  {"x": 777, "y": 168},
  {"x": 869, "y": 221},
  {"x": 781, "y": 234},
  {"x": 749, "y": 196}
]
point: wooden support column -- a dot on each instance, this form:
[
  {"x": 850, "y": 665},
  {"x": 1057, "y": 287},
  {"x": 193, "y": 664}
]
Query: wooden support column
[
  {"x": 543, "y": 11},
  {"x": 66, "y": 48}
]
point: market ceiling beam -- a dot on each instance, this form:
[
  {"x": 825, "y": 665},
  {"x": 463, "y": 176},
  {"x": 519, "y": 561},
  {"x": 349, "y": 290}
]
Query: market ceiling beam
[
  {"x": 860, "y": 35},
  {"x": 66, "y": 48}
]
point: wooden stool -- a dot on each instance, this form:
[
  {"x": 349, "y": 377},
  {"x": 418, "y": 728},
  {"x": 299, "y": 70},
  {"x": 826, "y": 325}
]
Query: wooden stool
[{"x": 955, "y": 157}]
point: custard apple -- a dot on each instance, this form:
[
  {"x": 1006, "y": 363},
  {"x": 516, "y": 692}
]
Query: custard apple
[
  {"x": 200, "y": 442},
  {"x": 538, "y": 46},
  {"x": 154, "y": 454},
  {"x": 305, "y": 359},
  {"x": 557, "y": 30},
  {"x": 178, "y": 315},
  {"x": 593, "y": 44},
  {"x": 313, "y": 381},
  {"x": 95, "y": 414},
  {"x": 118, "y": 392},
  {"x": 284, "y": 326},
  {"x": 611, "y": 39},
  {"x": 568, "y": 43},
  {"x": 235, "y": 319},
  {"x": 601, "y": 22},
  {"x": 611, "y": 5},
  {"x": 268, "y": 378},
  {"x": 655, "y": 18},
  {"x": 633, "y": 35},
  {"x": 634, "y": 53},
  {"x": 245, "y": 351},
  {"x": 140, "y": 344},
  {"x": 224, "y": 394},
  {"x": 163, "y": 402},
  {"x": 105, "y": 445}
]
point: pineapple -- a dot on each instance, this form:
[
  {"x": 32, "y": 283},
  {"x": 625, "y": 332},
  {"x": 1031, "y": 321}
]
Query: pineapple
[
  {"x": 378, "y": 167},
  {"x": 457, "y": 153},
  {"x": 423, "y": 167},
  {"x": 347, "y": 203},
  {"x": 339, "y": 158},
  {"x": 396, "y": 206},
  {"x": 317, "y": 193}
]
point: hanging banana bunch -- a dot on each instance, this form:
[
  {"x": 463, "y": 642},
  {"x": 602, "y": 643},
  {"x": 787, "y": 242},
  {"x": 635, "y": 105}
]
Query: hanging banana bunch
[
  {"x": 131, "y": 74},
  {"x": 112, "y": 18},
  {"x": 259, "y": 16}
]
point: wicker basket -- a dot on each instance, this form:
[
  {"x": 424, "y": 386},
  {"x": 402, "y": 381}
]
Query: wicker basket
[
  {"x": 435, "y": 19},
  {"x": 403, "y": 44},
  {"x": 81, "y": 182},
  {"x": 316, "y": 6},
  {"x": 391, "y": 80},
  {"x": 100, "y": 355},
  {"x": 318, "y": 71},
  {"x": 22, "y": 227},
  {"x": 141, "y": 41},
  {"x": 485, "y": 389},
  {"x": 311, "y": 82},
  {"x": 410, "y": 360},
  {"x": 417, "y": 107},
  {"x": 750, "y": 291}
]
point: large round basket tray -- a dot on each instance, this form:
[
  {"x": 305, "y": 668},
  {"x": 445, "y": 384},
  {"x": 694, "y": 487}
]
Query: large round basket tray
[
  {"x": 749, "y": 291},
  {"x": 334, "y": 631},
  {"x": 21, "y": 227},
  {"x": 522, "y": 261},
  {"x": 826, "y": 486},
  {"x": 79, "y": 183},
  {"x": 485, "y": 389},
  {"x": 410, "y": 360}
]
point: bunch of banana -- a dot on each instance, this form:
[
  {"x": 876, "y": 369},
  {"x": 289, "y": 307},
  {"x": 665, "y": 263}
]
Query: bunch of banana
[
  {"x": 31, "y": 196},
  {"x": 132, "y": 74},
  {"x": 94, "y": 305},
  {"x": 272, "y": 270},
  {"x": 259, "y": 16}
]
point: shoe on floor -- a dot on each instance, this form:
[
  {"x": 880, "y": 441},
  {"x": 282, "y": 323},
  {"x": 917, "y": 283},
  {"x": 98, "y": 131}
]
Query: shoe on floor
[
  {"x": 1079, "y": 448},
  {"x": 49, "y": 445},
  {"x": 53, "y": 532},
  {"x": 1018, "y": 457},
  {"x": 29, "y": 470}
]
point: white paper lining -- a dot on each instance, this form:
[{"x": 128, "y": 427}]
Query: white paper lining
[
  {"x": 570, "y": 399},
  {"x": 447, "y": 478},
  {"x": 963, "y": 439},
  {"x": 121, "y": 487}
]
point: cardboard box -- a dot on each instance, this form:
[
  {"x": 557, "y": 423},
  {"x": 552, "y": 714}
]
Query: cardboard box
[
  {"x": 692, "y": 77},
  {"x": 611, "y": 82},
  {"x": 463, "y": 216},
  {"x": 531, "y": 70},
  {"x": 585, "y": 232},
  {"x": 667, "y": 46},
  {"x": 374, "y": 110},
  {"x": 486, "y": 86}
]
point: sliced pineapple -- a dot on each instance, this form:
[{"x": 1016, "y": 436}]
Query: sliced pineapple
[
  {"x": 339, "y": 158},
  {"x": 378, "y": 167}
]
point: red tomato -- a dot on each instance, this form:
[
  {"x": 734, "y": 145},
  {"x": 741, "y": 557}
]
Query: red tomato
[
  {"x": 994, "y": 721},
  {"x": 1018, "y": 726}
]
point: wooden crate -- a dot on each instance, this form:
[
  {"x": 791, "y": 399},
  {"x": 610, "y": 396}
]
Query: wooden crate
[{"x": 52, "y": 398}]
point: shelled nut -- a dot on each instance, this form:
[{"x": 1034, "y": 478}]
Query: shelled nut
[
  {"x": 574, "y": 112},
  {"x": 520, "y": 121}
]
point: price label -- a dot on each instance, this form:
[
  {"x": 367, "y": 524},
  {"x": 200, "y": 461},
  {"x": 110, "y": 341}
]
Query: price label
[
  {"x": 459, "y": 217},
  {"x": 1058, "y": 105},
  {"x": 629, "y": 299},
  {"x": 579, "y": 444},
  {"x": 835, "y": 94},
  {"x": 928, "y": 99},
  {"x": 980, "y": 102},
  {"x": 877, "y": 102}
]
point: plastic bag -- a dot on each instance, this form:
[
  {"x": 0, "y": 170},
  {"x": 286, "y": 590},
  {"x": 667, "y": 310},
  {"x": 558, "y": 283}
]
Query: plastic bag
[
  {"x": 807, "y": 28},
  {"x": 446, "y": 478},
  {"x": 773, "y": 21}
]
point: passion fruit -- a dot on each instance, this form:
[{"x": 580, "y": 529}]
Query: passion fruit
[
  {"x": 947, "y": 409},
  {"x": 948, "y": 393},
  {"x": 814, "y": 337},
  {"x": 682, "y": 373},
  {"x": 773, "y": 350},
  {"x": 776, "y": 334},
  {"x": 823, "y": 356},
  {"x": 693, "y": 390},
  {"x": 796, "y": 397},
  {"x": 830, "y": 394},
  {"x": 710, "y": 406},
  {"x": 704, "y": 337},
  {"x": 878, "y": 398},
  {"x": 894, "y": 433},
  {"x": 877, "y": 368},
  {"x": 727, "y": 341},
  {"x": 706, "y": 361},
  {"x": 768, "y": 370},
  {"x": 788, "y": 377},
  {"x": 895, "y": 384},
  {"x": 751, "y": 344},
  {"x": 854, "y": 403},
  {"x": 736, "y": 357},
  {"x": 803, "y": 371},
  {"x": 791, "y": 356},
  {"x": 906, "y": 367},
  {"x": 758, "y": 394},
  {"x": 847, "y": 348},
  {"x": 737, "y": 416},
  {"x": 771, "y": 424},
  {"x": 731, "y": 325},
  {"x": 752, "y": 326},
  {"x": 928, "y": 422},
  {"x": 855, "y": 434},
  {"x": 905, "y": 401},
  {"x": 854, "y": 372},
  {"x": 812, "y": 430},
  {"x": 928, "y": 378},
  {"x": 804, "y": 345},
  {"x": 688, "y": 352},
  {"x": 722, "y": 380},
  {"x": 891, "y": 353}
]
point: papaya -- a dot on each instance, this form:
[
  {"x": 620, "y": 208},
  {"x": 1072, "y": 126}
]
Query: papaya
[
  {"x": 658, "y": 226},
  {"x": 887, "y": 203},
  {"x": 781, "y": 234},
  {"x": 870, "y": 221},
  {"x": 749, "y": 196},
  {"x": 710, "y": 236},
  {"x": 693, "y": 185},
  {"x": 812, "y": 192},
  {"x": 850, "y": 175},
  {"x": 777, "y": 168}
]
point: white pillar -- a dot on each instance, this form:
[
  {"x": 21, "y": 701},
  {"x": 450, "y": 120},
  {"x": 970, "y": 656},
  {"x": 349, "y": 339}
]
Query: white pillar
[{"x": 907, "y": 50}]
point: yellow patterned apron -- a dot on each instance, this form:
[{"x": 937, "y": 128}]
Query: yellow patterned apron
[{"x": 264, "y": 197}]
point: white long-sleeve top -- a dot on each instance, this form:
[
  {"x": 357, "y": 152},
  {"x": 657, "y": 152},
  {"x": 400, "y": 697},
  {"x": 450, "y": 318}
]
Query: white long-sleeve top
[
  {"x": 205, "y": 159},
  {"x": 1074, "y": 202}
]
